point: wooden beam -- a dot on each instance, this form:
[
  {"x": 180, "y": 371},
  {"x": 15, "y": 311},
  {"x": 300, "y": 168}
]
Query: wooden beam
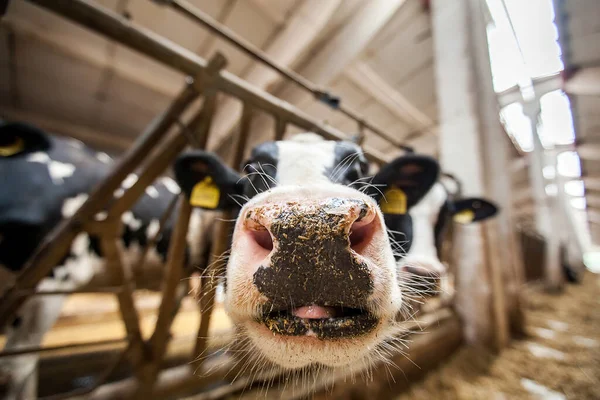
[
  {"x": 591, "y": 183},
  {"x": 101, "y": 140},
  {"x": 296, "y": 38},
  {"x": 364, "y": 77},
  {"x": 125, "y": 71},
  {"x": 593, "y": 216},
  {"x": 335, "y": 54},
  {"x": 589, "y": 151},
  {"x": 585, "y": 82},
  {"x": 593, "y": 200}
]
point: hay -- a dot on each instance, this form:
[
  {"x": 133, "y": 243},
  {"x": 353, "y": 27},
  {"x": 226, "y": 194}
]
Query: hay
[{"x": 476, "y": 374}]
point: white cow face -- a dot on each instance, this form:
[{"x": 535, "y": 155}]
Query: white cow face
[{"x": 312, "y": 277}]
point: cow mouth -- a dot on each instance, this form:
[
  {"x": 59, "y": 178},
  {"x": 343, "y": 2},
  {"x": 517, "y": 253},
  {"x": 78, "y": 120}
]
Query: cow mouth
[{"x": 322, "y": 322}]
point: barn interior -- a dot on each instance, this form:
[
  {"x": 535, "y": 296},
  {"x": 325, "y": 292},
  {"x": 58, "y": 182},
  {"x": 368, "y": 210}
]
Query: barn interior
[{"x": 504, "y": 93}]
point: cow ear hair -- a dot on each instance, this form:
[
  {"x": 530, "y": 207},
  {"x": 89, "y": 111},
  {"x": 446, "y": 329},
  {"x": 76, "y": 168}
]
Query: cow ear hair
[{"x": 207, "y": 181}]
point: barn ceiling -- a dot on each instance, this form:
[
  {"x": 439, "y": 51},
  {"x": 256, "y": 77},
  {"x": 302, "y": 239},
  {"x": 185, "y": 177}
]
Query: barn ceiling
[
  {"x": 579, "y": 34},
  {"x": 376, "y": 56}
]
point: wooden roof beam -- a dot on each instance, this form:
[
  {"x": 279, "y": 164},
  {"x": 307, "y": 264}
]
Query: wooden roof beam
[
  {"x": 299, "y": 33},
  {"x": 333, "y": 55},
  {"x": 109, "y": 142},
  {"x": 368, "y": 80}
]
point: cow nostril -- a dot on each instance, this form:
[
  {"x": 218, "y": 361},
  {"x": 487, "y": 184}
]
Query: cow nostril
[
  {"x": 263, "y": 238},
  {"x": 361, "y": 232}
]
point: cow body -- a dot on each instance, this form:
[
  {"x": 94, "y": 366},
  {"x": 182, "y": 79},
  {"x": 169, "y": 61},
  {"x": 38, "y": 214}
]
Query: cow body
[{"x": 47, "y": 180}]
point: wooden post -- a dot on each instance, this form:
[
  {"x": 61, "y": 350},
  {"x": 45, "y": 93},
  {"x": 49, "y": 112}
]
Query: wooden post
[
  {"x": 173, "y": 274},
  {"x": 110, "y": 250},
  {"x": 222, "y": 232},
  {"x": 280, "y": 127},
  {"x": 471, "y": 148},
  {"x": 545, "y": 220}
]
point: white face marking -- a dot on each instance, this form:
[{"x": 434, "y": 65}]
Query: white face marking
[
  {"x": 71, "y": 205},
  {"x": 57, "y": 170},
  {"x": 76, "y": 143},
  {"x": 152, "y": 192},
  {"x": 424, "y": 214},
  {"x": 171, "y": 185},
  {"x": 153, "y": 228},
  {"x": 103, "y": 157},
  {"x": 101, "y": 216},
  {"x": 304, "y": 159},
  {"x": 129, "y": 181},
  {"x": 129, "y": 220}
]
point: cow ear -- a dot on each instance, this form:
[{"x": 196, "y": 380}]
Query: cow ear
[
  {"x": 473, "y": 209},
  {"x": 403, "y": 182},
  {"x": 207, "y": 181},
  {"x": 18, "y": 139}
]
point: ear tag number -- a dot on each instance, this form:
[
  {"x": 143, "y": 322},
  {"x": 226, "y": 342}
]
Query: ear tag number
[
  {"x": 394, "y": 202},
  {"x": 205, "y": 194},
  {"x": 16, "y": 147},
  {"x": 464, "y": 217}
]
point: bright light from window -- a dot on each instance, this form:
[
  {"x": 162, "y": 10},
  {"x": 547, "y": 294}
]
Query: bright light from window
[
  {"x": 551, "y": 189},
  {"x": 533, "y": 21},
  {"x": 591, "y": 259},
  {"x": 517, "y": 125},
  {"x": 574, "y": 188},
  {"x": 556, "y": 121},
  {"x": 579, "y": 203},
  {"x": 549, "y": 172},
  {"x": 568, "y": 164}
]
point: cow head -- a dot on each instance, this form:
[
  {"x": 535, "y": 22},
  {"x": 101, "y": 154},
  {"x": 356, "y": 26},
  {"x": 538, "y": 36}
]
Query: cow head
[
  {"x": 311, "y": 279},
  {"x": 427, "y": 225}
]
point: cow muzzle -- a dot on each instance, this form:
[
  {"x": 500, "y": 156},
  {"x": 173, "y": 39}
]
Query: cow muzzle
[{"x": 311, "y": 267}]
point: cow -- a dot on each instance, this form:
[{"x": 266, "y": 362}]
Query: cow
[
  {"x": 425, "y": 229},
  {"x": 312, "y": 279},
  {"x": 45, "y": 179}
]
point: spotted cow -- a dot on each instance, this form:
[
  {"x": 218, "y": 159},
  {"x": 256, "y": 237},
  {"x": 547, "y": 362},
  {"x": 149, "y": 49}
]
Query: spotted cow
[
  {"x": 312, "y": 280},
  {"x": 45, "y": 179}
]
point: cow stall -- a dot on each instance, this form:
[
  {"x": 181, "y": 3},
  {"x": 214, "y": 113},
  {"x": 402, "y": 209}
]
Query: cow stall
[{"x": 156, "y": 365}]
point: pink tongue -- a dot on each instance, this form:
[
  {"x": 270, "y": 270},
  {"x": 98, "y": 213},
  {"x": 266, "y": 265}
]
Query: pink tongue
[{"x": 314, "y": 312}]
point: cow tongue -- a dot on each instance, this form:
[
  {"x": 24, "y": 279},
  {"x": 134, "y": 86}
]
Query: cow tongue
[{"x": 314, "y": 312}]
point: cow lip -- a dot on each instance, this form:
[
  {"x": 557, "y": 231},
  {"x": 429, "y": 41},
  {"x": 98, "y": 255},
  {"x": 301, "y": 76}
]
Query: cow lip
[{"x": 346, "y": 323}]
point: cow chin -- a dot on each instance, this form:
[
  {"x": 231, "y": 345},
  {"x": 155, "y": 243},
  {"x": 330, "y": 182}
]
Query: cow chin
[
  {"x": 293, "y": 328},
  {"x": 294, "y": 352}
]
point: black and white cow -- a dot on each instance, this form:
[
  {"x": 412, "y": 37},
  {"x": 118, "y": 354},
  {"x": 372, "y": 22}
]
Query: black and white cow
[
  {"x": 425, "y": 228},
  {"x": 312, "y": 278},
  {"x": 45, "y": 179}
]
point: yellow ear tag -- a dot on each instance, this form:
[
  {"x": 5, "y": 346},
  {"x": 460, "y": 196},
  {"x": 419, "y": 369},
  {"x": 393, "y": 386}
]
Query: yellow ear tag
[
  {"x": 205, "y": 194},
  {"x": 394, "y": 202},
  {"x": 464, "y": 217},
  {"x": 16, "y": 147}
]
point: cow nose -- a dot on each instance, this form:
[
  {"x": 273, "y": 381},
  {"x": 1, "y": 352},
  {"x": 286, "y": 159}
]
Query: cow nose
[{"x": 348, "y": 222}]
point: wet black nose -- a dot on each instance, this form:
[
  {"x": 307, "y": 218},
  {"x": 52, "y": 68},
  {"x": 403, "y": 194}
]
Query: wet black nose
[{"x": 315, "y": 257}]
